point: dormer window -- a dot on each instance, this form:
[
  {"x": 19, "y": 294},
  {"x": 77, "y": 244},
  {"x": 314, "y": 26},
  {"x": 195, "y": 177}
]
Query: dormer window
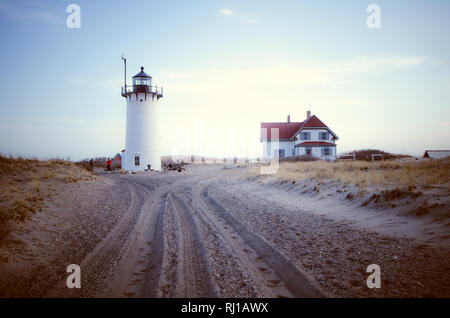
[
  {"x": 305, "y": 136},
  {"x": 324, "y": 135}
]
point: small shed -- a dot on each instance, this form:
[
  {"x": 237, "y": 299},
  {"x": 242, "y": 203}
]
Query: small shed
[
  {"x": 116, "y": 162},
  {"x": 436, "y": 154}
]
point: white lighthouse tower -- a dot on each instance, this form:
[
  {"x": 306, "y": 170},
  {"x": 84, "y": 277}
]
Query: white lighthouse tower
[{"x": 142, "y": 150}]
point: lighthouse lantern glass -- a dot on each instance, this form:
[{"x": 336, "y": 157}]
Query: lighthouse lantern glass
[{"x": 141, "y": 81}]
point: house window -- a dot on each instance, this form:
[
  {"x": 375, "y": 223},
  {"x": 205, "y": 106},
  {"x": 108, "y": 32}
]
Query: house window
[
  {"x": 305, "y": 136},
  {"x": 323, "y": 136},
  {"x": 308, "y": 151},
  {"x": 293, "y": 152},
  {"x": 268, "y": 151},
  {"x": 326, "y": 151},
  {"x": 280, "y": 153},
  {"x": 136, "y": 161}
]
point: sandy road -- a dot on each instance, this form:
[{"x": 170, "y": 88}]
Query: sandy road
[
  {"x": 176, "y": 240},
  {"x": 207, "y": 232}
]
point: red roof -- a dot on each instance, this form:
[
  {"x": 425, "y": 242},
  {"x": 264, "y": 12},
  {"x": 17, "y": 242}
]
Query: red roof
[
  {"x": 289, "y": 130},
  {"x": 313, "y": 121},
  {"x": 315, "y": 143},
  {"x": 286, "y": 130}
]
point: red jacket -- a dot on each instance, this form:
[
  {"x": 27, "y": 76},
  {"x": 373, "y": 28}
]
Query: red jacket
[{"x": 108, "y": 162}]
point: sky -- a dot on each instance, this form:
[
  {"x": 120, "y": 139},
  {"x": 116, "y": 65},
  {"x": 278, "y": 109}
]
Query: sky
[{"x": 226, "y": 66}]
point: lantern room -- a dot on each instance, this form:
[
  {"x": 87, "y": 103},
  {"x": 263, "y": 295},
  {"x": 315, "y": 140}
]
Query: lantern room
[
  {"x": 142, "y": 83},
  {"x": 142, "y": 79}
]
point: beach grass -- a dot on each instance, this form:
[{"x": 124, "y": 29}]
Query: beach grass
[
  {"x": 389, "y": 173},
  {"x": 26, "y": 183}
]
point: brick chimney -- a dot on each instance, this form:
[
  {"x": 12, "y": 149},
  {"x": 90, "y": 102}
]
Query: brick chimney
[
  {"x": 289, "y": 119},
  {"x": 308, "y": 114}
]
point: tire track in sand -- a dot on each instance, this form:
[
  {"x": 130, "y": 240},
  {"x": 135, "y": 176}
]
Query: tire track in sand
[
  {"x": 291, "y": 279},
  {"x": 98, "y": 265},
  {"x": 192, "y": 277},
  {"x": 146, "y": 267},
  {"x": 249, "y": 265}
]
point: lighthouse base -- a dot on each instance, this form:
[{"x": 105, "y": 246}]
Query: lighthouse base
[{"x": 139, "y": 161}]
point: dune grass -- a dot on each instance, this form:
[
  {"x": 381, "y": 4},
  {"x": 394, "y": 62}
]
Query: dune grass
[
  {"x": 26, "y": 183},
  {"x": 400, "y": 174}
]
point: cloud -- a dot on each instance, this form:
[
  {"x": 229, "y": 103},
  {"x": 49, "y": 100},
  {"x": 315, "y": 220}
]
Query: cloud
[
  {"x": 229, "y": 13},
  {"x": 411, "y": 61},
  {"x": 215, "y": 82},
  {"x": 250, "y": 20},
  {"x": 370, "y": 64}
]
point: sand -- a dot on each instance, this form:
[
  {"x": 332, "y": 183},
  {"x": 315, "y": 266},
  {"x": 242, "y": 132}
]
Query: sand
[{"x": 215, "y": 232}]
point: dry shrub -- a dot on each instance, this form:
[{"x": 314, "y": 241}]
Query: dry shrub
[
  {"x": 350, "y": 196},
  {"x": 25, "y": 182},
  {"x": 390, "y": 174},
  {"x": 299, "y": 158},
  {"x": 366, "y": 154},
  {"x": 421, "y": 210}
]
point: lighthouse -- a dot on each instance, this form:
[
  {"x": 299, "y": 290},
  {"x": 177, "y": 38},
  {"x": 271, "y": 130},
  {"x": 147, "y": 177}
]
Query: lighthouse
[{"x": 142, "y": 134}]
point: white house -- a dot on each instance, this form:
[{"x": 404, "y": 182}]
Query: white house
[{"x": 309, "y": 137}]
